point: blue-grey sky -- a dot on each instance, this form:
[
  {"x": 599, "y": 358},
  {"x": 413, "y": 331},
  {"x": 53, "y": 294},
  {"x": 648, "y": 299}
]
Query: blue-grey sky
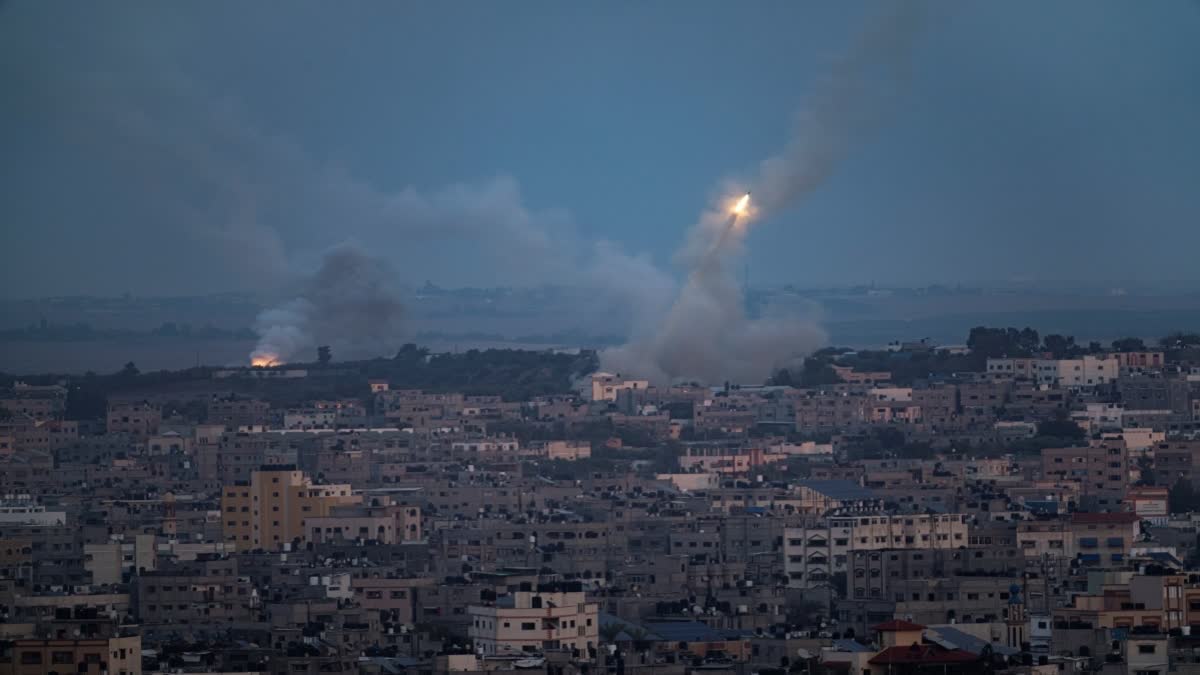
[{"x": 192, "y": 147}]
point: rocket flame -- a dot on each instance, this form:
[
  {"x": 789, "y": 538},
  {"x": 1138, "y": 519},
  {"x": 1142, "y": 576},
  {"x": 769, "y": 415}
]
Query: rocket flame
[
  {"x": 740, "y": 207},
  {"x": 264, "y": 361}
]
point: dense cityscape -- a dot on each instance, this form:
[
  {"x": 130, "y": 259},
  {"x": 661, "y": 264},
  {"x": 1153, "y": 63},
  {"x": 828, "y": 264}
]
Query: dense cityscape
[
  {"x": 599, "y": 338},
  {"x": 1016, "y": 504}
]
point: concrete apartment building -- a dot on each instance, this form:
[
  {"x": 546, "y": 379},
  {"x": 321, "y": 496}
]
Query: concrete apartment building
[
  {"x": 812, "y": 555},
  {"x": 1101, "y": 469},
  {"x": 139, "y": 419},
  {"x": 607, "y": 386},
  {"x": 937, "y": 600},
  {"x": 1092, "y": 538},
  {"x": 831, "y": 410},
  {"x": 39, "y": 403},
  {"x": 110, "y": 562},
  {"x": 206, "y": 590},
  {"x": 1137, "y": 362},
  {"x": 1156, "y": 393},
  {"x": 100, "y": 656},
  {"x": 554, "y": 616},
  {"x": 1015, "y": 368},
  {"x": 1084, "y": 372},
  {"x": 380, "y": 521},
  {"x": 270, "y": 509},
  {"x": 1178, "y": 460},
  {"x": 876, "y": 574},
  {"x": 1125, "y": 599},
  {"x": 235, "y": 413}
]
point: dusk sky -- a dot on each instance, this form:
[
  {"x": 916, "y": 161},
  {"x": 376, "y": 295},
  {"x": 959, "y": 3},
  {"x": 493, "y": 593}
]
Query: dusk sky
[{"x": 172, "y": 148}]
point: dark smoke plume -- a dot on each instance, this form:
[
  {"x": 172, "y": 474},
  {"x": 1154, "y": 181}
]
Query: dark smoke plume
[{"x": 350, "y": 304}]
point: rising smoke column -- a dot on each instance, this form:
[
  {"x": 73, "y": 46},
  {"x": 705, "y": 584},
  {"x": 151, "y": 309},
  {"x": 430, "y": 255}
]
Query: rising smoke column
[
  {"x": 706, "y": 335},
  {"x": 350, "y": 305}
]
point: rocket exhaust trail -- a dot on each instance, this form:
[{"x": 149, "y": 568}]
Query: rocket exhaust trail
[{"x": 727, "y": 230}]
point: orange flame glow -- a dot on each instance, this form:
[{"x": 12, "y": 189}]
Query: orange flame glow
[{"x": 264, "y": 361}]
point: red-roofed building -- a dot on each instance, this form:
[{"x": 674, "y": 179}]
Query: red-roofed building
[
  {"x": 921, "y": 655},
  {"x": 904, "y": 652},
  {"x": 908, "y": 654}
]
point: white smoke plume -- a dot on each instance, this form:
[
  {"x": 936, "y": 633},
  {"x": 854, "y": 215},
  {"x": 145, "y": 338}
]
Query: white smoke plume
[
  {"x": 350, "y": 305},
  {"x": 706, "y": 335}
]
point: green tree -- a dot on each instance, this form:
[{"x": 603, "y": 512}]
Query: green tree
[
  {"x": 1129, "y": 344},
  {"x": 1061, "y": 427},
  {"x": 1146, "y": 468},
  {"x": 1180, "y": 340},
  {"x": 1183, "y": 498},
  {"x": 988, "y": 343},
  {"x": 817, "y": 372},
  {"x": 1059, "y": 346}
]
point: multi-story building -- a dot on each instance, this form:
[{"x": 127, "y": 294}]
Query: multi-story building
[
  {"x": 39, "y": 403},
  {"x": 1101, "y": 469},
  {"x": 812, "y": 555},
  {"x": 270, "y": 509},
  {"x": 606, "y": 386},
  {"x": 938, "y": 404},
  {"x": 379, "y": 521},
  {"x": 235, "y": 413},
  {"x": 877, "y": 573},
  {"x": 1081, "y": 373},
  {"x": 937, "y": 600},
  {"x": 1137, "y": 362},
  {"x": 552, "y": 616},
  {"x": 1092, "y": 538},
  {"x": 831, "y": 410},
  {"x": 1177, "y": 460},
  {"x": 1015, "y": 368},
  {"x": 1156, "y": 393},
  {"x": 100, "y": 656},
  {"x": 139, "y": 419},
  {"x": 206, "y": 590}
]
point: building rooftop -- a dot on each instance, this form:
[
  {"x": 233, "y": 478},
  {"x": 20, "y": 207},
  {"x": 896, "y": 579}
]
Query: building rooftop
[
  {"x": 845, "y": 490},
  {"x": 953, "y": 638},
  {"x": 921, "y": 654},
  {"x": 1121, "y": 517},
  {"x": 897, "y": 625}
]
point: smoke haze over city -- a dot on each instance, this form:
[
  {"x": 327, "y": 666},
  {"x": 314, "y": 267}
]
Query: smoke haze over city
[{"x": 255, "y": 140}]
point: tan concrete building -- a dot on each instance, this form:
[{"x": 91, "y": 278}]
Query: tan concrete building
[
  {"x": 109, "y": 561},
  {"x": 139, "y": 419},
  {"x": 606, "y": 386},
  {"x": 271, "y": 509},
  {"x": 569, "y": 450},
  {"x": 812, "y": 555},
  {"x": 114, "y": 656},
  {"x": 1101, "y": 470},
  {"x": 555, "y": 616},
  {"x": 234, "y": 413}
]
